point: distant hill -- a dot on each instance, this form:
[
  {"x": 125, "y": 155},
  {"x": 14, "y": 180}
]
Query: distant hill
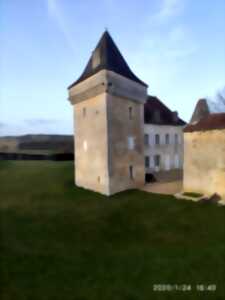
[{"x": 37, "y": 144}]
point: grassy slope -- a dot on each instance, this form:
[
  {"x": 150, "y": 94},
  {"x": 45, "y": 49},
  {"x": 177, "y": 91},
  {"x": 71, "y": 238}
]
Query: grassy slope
[{"x": 60, "y": 242}]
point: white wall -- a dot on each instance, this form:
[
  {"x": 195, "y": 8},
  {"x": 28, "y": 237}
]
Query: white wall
[{"x": 171, "y": 155}]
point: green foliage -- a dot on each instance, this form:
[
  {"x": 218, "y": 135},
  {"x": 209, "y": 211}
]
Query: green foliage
[{"x": 60, "y": 242}]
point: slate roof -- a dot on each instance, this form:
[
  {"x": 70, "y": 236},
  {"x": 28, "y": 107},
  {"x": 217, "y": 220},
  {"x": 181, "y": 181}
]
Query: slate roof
[
  {"x": 210, "y": 122},
  {"x": 201, "y": 111},
  {"x": 110, "y": 59},
  {"x": 155, "y": 112}
]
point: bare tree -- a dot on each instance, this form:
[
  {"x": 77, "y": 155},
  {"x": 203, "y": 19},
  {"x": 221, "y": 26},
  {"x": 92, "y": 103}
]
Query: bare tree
[{"x": 221, "y": 96}]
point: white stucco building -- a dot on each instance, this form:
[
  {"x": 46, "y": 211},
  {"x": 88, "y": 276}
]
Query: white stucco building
[{"x": 163, "y": 137}]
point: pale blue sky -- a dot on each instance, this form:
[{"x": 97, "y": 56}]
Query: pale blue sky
[{"x": 176, "y": 46}]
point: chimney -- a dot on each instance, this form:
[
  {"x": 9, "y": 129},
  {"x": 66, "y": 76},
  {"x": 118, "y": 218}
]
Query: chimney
[{"x": 175, "y": 116}]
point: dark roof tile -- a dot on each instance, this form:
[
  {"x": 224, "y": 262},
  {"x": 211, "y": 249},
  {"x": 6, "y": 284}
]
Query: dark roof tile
[
  {"x": 155, "y": 112},
  {"x": 108, "y": 57},
  {"x": 210, "y": 122}
]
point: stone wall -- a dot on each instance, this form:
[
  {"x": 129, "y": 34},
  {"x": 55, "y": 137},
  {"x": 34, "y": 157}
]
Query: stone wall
[
  {"x": 103, "y": 160},
  {"x": 204, "y": 162},
  {"x": 91, "y": 155},
  {"x": 121, "y": 158}
]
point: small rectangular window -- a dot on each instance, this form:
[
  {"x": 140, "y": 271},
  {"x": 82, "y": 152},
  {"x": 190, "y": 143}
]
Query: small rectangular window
[
  {"x": 147, "y": 162},
  {"x": 146, "y": 139},
  {"x": 130, "y": 113},
  {"x": 176, "y": 139},
  {"x": 167, "y": 139},
  {"x": 85, "y": 146},
  {"x": 157, "y": 139},
  {"x": 157, "y": 160},
  {"x": 84, "y": 112},
  {"x": 131, "y": 172},
  {"x": 130, "y": 141}
]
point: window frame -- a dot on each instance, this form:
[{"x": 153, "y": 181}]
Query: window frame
[
  {"x": 131, "y": 172},
  {"x": 157, "y": 139},
  {"x": 147, "y": 161},
  {"x": 167, "y": 138}
]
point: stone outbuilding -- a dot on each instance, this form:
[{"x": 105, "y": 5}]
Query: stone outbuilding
[{"x": 204, "y": 153}]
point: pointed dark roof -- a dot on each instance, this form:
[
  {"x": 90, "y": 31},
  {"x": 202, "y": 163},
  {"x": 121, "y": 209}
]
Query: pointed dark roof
[
  {"x": 156, "y": 112},
  {"x": 109, "y": 58},
  {"x": 201, "y": 111}
]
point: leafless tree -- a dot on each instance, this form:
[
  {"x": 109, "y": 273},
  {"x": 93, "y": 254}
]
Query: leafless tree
[{"x": 221, "y": 96}]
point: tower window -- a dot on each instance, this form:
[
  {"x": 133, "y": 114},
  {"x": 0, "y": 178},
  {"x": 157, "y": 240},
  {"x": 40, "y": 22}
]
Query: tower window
[
  {"x": 84, "y": 112},
  {"x": 96, "y": 59},
  {"x": 130, "y": 141},
  {"x": 146, "y": 139},
  {"x": 176, "y": 139},
  {"x": 131, "y": 172},
  {"x": 85, "y": 146},
  {"x": 157, "y": 139},
  {"x": 130, "y": 113},
  {"x": 167, "y": 139},
  {"x": 147, "y": 162}
]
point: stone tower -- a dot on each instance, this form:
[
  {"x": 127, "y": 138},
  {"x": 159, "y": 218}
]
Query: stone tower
[{"x": 109, "y": 126}]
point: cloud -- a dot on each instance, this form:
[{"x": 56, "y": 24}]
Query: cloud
[
  {"x": 168, "y": 9},
  {"x": 2, "y": 125},
  {"x": 55, "y": 12}
]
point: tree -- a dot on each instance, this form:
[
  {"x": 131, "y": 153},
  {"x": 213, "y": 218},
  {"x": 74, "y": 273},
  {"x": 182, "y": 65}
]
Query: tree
[{"x": 221, "y": 96}]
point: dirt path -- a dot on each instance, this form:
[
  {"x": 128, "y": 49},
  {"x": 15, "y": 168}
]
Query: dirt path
[{"x": 168, "y": 188}]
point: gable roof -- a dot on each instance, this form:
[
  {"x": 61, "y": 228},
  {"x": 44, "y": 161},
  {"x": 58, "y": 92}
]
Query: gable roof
[
  {"x": 210, "y": 122},
  {"x": 155, "y": 112},
  {"x": 109, "y": 58}
]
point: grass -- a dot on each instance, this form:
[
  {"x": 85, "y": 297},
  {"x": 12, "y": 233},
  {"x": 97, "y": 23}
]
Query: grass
[
  {"x": 59, "y": 242},
  {"x": 193, "y": 195}
]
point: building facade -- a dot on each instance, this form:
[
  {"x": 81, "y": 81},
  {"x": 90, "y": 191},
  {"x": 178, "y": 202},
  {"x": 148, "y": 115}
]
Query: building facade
[
  {"x": 163, "y": 137},
  {"x": 121, "y": 133},
  {"x": 108, "y": 101},
  {"x": 204, "y": 155}
]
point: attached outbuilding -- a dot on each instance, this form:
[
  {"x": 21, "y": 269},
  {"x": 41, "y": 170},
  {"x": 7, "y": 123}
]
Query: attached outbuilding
[{"x": 204, "y": 155}]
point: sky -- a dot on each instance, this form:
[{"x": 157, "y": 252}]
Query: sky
[{"x": 176, "y": 46}]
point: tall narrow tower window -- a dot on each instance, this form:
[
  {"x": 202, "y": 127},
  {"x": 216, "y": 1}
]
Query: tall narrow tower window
[
  {"x": 84, "y": 112},
  {"x": 85, "y": 146},
  {"x": 131, "y": 173},
  {"x": 130, "y": 141},
  {"x": 130, "y": 113}
]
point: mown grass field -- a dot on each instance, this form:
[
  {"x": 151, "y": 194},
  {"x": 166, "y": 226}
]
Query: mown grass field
[{"x": 59, "y": 242}]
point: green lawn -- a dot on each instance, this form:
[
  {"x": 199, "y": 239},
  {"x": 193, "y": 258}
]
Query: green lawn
[{"x": 59, "y": 242}]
